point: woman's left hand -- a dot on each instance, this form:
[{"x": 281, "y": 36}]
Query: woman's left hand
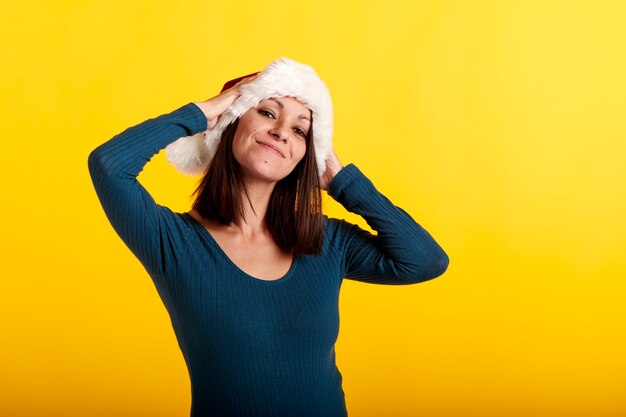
[{"x": 333, "y": 166}]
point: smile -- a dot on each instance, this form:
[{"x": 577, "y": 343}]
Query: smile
[{"x": 271, "y": 147}]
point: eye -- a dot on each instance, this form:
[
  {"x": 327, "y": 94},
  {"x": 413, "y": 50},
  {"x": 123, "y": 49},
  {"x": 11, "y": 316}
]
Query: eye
[
  {"x": 300, "y": 132},
  {"x": 266, "y": 113}
]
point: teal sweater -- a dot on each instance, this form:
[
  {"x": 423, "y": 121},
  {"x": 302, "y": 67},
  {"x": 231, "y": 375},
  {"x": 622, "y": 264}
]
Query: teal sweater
[{"x": 255, "y": 347}]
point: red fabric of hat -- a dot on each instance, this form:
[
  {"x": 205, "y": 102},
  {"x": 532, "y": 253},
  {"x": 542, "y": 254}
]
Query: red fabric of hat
[{"x": 236, "y": 80}]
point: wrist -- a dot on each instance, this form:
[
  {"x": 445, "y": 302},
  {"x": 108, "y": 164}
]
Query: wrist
[
  {"x": 334, "y": 165},
  {"x": 207, "y": 109}
]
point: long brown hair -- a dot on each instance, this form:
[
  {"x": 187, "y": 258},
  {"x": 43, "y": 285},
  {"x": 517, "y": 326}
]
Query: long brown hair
[{"x": 294, "y": 213}]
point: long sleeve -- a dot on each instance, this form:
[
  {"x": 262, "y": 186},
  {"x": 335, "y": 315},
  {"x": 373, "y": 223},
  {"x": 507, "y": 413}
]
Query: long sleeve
[
  {"x": 114, "y": 166},
  {"x": 401, "y": 252}
]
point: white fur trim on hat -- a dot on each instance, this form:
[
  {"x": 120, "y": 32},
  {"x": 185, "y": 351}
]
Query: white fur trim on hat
[{"x": 281, "y": 78}]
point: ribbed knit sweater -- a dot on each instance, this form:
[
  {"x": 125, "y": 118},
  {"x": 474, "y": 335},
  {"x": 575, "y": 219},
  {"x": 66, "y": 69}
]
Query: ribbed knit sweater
[{"x": 255, "y": 347}]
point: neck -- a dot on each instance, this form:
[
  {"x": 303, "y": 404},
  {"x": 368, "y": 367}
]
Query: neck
[{"x": 253, "y": 222}]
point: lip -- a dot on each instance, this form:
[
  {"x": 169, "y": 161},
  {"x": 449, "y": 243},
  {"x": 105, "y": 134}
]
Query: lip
[{"x": 271, "y": 146}]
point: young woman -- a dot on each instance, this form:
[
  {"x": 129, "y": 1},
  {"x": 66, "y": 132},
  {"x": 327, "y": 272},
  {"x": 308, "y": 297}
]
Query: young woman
[{"x": 251, "y": 274}]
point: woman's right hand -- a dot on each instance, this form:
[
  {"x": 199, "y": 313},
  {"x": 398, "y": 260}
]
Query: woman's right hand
[{"x": 215, "y": 106}]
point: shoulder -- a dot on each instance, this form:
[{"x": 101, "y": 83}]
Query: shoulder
[
  {"x": 336, "y": 230},
  {"x": 183, "y": 225}
]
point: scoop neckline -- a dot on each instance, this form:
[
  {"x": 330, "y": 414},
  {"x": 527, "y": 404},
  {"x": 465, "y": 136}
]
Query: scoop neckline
[{"x": 233, "y": 265}]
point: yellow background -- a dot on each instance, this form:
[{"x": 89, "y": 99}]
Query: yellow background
[{"x": 499, "y": 125}]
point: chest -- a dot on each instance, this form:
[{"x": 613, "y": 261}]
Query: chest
[
  {"x": 225, "y": 307},
  {"x": 217, "y": 295},
  {"x": 262, "y": 259}
]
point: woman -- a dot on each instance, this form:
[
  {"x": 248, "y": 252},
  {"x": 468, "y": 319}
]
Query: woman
[{"x": 251, "y": 275}]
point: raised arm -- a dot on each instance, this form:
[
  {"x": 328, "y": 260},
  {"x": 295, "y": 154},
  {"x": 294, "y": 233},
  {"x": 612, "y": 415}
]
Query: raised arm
[
  {"x": 131, "y": 210},
  {"x": 401, "y": 252},
  {"x": 114, "y": 166}
]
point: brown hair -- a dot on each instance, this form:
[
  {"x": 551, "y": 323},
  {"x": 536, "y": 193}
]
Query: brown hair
[{"x": 294, "y": 213}]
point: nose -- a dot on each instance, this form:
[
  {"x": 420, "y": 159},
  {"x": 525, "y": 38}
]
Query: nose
[{"x": 279, "y": 133}]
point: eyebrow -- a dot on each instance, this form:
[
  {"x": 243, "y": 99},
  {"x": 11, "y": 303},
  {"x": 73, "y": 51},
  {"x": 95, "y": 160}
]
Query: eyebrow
[{"x": 282, "y": 106}]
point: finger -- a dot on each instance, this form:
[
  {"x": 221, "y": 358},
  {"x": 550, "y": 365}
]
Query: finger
[
  {"x": 233, "y": 85},
  {"x": 233, "y": 92},
  {"x": 245, "y": 81}
]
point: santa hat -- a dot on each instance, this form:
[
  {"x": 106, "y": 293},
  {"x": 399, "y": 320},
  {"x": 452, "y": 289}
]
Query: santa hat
[{"x": 283, "y": 77}]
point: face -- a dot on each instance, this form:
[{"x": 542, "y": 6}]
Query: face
[{"x": 271, "y": 138}]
